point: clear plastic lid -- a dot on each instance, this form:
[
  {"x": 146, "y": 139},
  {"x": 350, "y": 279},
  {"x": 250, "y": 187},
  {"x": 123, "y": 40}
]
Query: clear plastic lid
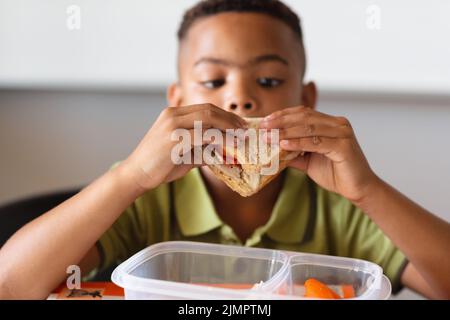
[{"x": 200, "y": 270}]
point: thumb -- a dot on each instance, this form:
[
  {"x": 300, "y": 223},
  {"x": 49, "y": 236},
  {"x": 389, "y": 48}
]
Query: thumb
[{"x": 301, "y": 162}]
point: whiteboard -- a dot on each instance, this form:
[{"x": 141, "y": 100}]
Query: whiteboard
[{"x": 132, "y": 43}]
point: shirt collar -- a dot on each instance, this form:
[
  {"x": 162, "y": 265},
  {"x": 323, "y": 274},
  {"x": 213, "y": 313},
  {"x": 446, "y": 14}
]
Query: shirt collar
[
  {"x": 290, "y": 215},
  {"x": 288, "y": 223},
  {"x": 193, "y": 205}
]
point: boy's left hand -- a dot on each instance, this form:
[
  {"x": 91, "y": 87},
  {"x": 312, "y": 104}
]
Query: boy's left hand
[{"x": 334, "y": 159}]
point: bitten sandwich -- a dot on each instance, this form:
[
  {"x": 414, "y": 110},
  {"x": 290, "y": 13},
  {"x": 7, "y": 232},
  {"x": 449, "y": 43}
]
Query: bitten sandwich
[{"x": 253, "y": 164}]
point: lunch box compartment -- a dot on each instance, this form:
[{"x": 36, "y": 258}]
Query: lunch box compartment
[
  {"x": 198, "y": 270},
  {"x": 194, "y": 270}
]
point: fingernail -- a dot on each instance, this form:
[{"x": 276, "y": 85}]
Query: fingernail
[{"x": 284, "y": 143}]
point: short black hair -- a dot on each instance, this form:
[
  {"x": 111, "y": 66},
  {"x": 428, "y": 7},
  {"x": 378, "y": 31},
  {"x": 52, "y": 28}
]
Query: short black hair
[{"x": 273, "y": 8}]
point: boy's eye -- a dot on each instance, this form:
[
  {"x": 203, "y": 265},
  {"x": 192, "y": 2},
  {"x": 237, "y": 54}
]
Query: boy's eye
[
  {"x": 213, "y": 84},
  {"x": 269, "y": 82}
]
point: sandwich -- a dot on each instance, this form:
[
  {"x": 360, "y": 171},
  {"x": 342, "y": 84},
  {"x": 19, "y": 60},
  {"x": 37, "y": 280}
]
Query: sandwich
[{"x": 254, "y": 162}]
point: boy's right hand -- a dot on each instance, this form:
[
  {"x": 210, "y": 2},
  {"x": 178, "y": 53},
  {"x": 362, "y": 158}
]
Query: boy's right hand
[{"x": 150, "y": 164}]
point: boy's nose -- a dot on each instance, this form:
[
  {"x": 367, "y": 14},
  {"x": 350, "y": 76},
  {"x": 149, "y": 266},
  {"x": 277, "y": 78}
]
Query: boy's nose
[
  {"x": 245, "y": 106},
  {"x": 240, "y": 98},
  {"x": 241, "y": 108}
]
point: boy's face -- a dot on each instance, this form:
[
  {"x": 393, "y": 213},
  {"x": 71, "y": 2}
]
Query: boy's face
[{"x": 246, "y": 63}]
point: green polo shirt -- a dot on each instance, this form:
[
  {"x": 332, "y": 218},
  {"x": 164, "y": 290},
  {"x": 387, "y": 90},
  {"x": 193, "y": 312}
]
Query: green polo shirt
[{"x": 305, "y": 218}]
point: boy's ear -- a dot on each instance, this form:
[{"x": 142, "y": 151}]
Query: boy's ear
[
  {"x": 173, "y": 95},
  {"x": 309, "y": 95}
]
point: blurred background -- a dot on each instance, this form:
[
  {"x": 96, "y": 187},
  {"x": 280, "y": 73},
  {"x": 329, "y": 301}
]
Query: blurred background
[{"x": 81, "y": 82}]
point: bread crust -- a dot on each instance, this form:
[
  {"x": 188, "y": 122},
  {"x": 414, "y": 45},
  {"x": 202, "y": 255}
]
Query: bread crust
[{"x": 241, "y": 184}]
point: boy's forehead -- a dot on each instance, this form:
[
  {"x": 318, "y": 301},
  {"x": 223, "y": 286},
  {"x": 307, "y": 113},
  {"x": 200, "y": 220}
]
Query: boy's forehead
[{"x": 240, "y": 37}]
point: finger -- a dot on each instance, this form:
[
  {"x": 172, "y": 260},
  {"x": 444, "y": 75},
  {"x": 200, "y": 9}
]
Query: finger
[
  {"x": 301, "y": 162},
  {"x": 233, "y": 117},
  {"x": 285, "y": 111},
  {"x": 191, "y": 159},
  {"x": 306, "y": 118},
  {"x": 205, "y": 108},
  {"x": 192, "y": 108},
  {"x": 191, "y": 150},
  {"x": 314, "y": 130},
  {"x": 292, "y": 111},
  {"x": 208, "y": 108},
  {"x": 332, "y": 148},
  {"x": 210, "y": 118},
  {"x": 229, "y": 115},
  {"x": 196, "y": 137}
]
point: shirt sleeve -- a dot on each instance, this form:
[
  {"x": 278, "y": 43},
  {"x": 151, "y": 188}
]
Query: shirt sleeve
[
  {"x": 361, "y": 238},
  {"x": 143, "y": 223},
  {"x": 122, "y": 239}
]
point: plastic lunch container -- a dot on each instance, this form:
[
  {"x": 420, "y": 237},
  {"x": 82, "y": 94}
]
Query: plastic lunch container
[
  {"x": 194, "y": 270},
  {"x": 349, "y": 278}
]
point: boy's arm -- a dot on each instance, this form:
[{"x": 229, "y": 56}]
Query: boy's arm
[
  {"x": 34, "y": 261},
  {"x": 335, "y": 161},
  {"x": 423, "y": 238},
  {"x": 412, "y": 279}
]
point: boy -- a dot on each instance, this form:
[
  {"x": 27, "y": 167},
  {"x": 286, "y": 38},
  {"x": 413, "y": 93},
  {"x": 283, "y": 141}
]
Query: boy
[{"x": 237, "y": 59}]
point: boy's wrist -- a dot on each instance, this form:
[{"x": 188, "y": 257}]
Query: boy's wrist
[
  {"x": 372, "y": 193},
  {"x": 130, "y": 179}
]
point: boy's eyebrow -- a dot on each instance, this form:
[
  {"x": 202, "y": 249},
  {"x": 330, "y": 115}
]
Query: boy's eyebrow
[
  {"x": 253, "y": 61},
  {"x": 213, "y": 61},
  {"x": 269, "y": 57}
]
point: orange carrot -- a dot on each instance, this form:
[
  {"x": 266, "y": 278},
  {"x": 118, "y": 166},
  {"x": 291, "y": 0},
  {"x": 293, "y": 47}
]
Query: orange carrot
[
  {"x": 348, "y": 291},
  {"x": 316, "y": 289}
]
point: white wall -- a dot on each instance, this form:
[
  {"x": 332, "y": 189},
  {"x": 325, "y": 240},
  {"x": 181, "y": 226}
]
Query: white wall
[
  {"x": 53, "y": 140},
  {"x": 132, "y": 43}
]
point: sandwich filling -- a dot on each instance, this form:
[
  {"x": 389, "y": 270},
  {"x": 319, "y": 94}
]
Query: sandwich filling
[{"x": 246, "y": 166}]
